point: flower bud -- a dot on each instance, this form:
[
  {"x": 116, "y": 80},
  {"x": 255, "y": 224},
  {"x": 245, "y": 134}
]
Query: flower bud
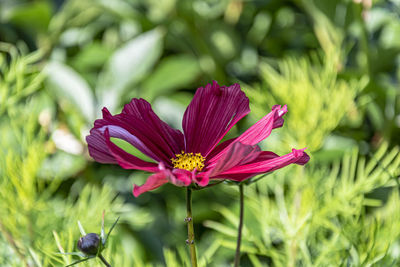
[{"x": 89, "y": 244}]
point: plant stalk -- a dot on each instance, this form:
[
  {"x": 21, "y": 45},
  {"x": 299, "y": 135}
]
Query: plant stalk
[
  {"x": 189, "y": 220},
  {"x": 104, "y": 260},
  {"x": 239, "y": 236},
  {"x": 10, "y": 240}
]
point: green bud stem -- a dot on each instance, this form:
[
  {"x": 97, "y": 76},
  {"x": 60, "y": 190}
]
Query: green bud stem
[
  {"x": 103, "y": 260},
  {"x": 239, "y": 237},
  {"x": 189, "y": 220}
]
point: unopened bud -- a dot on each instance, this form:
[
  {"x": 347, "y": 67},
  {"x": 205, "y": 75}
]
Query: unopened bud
[{"x": 89, "y": 244}]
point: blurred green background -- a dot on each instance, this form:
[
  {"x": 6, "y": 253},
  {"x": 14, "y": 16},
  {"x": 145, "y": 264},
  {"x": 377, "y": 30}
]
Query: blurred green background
[{"x": 336, "y": 64}]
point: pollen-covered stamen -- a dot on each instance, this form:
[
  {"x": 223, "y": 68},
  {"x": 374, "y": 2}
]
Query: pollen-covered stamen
[{"x": 188, "y": 161}]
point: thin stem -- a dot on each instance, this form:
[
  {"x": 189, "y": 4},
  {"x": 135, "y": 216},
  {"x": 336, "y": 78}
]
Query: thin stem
[
  {"x": 11, "y": 240},
  {"x": 189, "y": 220},
  {"x": 239, "y": 237},
  {"x": 208, "y": 186},
  {"x": 104, "y": 260}
]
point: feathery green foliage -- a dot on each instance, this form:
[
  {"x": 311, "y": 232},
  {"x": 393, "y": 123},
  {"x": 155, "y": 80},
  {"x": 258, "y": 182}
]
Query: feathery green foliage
[
  {"x": 299, "y": 82},
  {"x": 30, "y": 210},
  {"x": 311, "y": 86},
  {"x": 322, "y": 217}
]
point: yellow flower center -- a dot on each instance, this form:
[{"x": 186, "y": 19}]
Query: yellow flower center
[{"x": 188, "y": 161}]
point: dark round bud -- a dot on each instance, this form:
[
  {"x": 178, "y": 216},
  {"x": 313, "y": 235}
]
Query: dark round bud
[{"x": 89, "y": 244}]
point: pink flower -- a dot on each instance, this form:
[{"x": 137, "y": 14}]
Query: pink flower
[{"x": 196, "y": 155}]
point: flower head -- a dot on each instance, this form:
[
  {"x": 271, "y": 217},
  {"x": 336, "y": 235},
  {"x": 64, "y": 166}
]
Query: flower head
[
  {"x": 196, "y": 155},
  {"x": 89, "y": 244}
]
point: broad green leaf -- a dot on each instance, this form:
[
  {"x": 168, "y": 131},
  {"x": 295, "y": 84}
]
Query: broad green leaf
[
  {"x": 121, "y": 8},
  {"x": 377, "y": 18},
  {"x": 69, "y": 84},
  {"x": 224, "y": 42},
  {"x": 128, "y": 65},
  {"x": 390, "y": 37},
  {"x": 91, "y": 56},
  {"x": 35, "y": 16},
  {"x": 172, "y": 73},
  {"x": 261, "y": 25}
]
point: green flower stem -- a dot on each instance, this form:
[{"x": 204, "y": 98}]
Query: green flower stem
[
  {"x": 189, "y": 220},
  {"x": 104, "y": 260},
  {"x": 239, "y": 237}
]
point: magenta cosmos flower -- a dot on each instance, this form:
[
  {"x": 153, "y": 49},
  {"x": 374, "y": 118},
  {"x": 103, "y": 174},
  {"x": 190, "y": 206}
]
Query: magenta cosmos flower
[{"x": 196, "y": 155}]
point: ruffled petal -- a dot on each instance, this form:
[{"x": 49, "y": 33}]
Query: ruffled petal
[
  {"x": 211, "y": 114},
  {"x": 265, "y": 162},
  {"x": 141, "y": 127},
  {"x": 255, "y": 134},
  {"x": 181, "y": 177},
  {"x": 177, "y": 177},
  {"x": 154, "y": 181},
  {"x": 126, "y": 160},
  {"x": 202, "y": 179}
]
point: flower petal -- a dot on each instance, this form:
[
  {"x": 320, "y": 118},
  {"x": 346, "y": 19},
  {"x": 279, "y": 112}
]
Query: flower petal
[
  {"x": 218, "y": 149},
  {"x": 98, "y": 149},
  {"x": 177, "y": 177},
  {"x": 265, "y": 162},
  {"x": 141, "y": 127},
  {"x": 181, "y": 177},
  {"x": 202, "y": 179},
  {"x": 211, "y": 114},
  {"x": 263, "y": 128},
  {"x": 126, "y": 160},
  {"x": 121, "y": 133},
  {"x": 237, "y": 154},
  {"x": 255, "y": 134},
  {"x": 154, "y": 181}
]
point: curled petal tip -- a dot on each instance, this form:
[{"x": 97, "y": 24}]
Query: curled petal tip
[
  {"x": 136, "y": 192},
  {"x": 302, "y": 156},
  {"x": 280, "y": 111},
  {"x": 283, "y": 111},
  {"x": 106, "y": 132},
  {"x": 276, "y": 107},
  {"x": 297, "y": 152},
  {"x": 106, "y": 112}
]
